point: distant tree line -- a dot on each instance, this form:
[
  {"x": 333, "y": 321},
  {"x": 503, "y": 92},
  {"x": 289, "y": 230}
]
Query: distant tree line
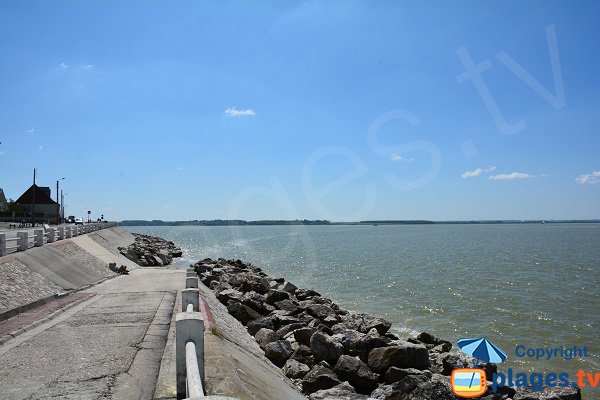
[{"x": 223, "y": 222}]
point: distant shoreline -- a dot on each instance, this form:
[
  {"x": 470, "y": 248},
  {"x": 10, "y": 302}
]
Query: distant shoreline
[{"x": 218, "y": 222}]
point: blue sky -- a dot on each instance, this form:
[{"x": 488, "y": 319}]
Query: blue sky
[{"x": 339, "y": 110}]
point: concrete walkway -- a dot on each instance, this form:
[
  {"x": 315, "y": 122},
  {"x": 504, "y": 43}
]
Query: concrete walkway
[{"x": 107, "y": 346}]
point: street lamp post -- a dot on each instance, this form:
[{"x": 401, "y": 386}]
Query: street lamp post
[
  {"x": 57, "y": 203},
  {"x": 62, "y": 205}
]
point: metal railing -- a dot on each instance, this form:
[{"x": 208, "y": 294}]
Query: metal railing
[
  {"x": 189, "y": 342},
  {"x": 23, "y": 240}
]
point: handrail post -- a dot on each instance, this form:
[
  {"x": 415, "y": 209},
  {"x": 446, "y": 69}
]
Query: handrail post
[
  {"x": 50, "y": 235},
  {"x": 61, "y": 232},
  {"x": 38, "y": 237},
  {"x": 2, "y": 244},
  {"x": 22, "y": 241},
  {"x": 190, "y": 296},
  {"x": 189, "y": 328},
  {"x": 68, "y": 232},
  {"x": 191, "y": 282}
]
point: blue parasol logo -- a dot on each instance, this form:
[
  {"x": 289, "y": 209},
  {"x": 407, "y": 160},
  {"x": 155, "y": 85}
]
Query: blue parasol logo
[{"x": 482, "y": 349}]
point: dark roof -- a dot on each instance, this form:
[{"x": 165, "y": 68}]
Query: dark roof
[{"x": 41, "y": 196}]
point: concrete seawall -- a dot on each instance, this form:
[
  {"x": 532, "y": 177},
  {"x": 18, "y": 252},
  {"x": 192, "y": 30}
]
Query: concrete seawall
[{"x": 71, "y": 264}]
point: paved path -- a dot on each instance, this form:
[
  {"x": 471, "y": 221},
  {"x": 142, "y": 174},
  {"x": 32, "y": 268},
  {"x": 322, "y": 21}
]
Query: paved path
[{"x": 107, "y": 346}]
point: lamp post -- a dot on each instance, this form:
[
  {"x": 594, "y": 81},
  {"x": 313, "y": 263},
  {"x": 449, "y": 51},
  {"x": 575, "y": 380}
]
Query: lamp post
[
  {"x": 62, "y": 205},
  {"x": 57, "y": 203}
]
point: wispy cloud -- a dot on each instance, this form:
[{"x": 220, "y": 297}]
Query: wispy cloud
[
  {"x": 88, "y": 66},
  {"x": 62, "y": 65},
  {"x": 234, "y": 112},
  {"x": 31, "y": 130},
  {"x": 397, "y": 157},
  {"x": 589, "y": 179},
  {"x": 491, "y": 169},
  {"x": 472, "y": 174},
  {"x": 510, "y": 177}
]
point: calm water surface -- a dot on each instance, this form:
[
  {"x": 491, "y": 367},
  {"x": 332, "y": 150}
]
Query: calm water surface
[{"x": 536, "y": 285}]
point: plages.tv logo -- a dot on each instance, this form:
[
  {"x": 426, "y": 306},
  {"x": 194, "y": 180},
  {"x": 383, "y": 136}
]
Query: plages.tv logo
[{"x": 471, "y": 382}]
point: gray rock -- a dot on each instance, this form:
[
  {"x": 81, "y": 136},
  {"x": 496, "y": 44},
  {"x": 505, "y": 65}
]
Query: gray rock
[
  {"x": 294, "y": 369},
  {"x": 402, "y": 355},
  {"x": 289, "y": 287},
  {"x": 274, "y": 295},
  {"x": 287, "y": 305},
  {"x": 437, "y": 388},
  {"x": 242, "y": 313},
  {"x": 446, "y": 362},
  {"x": 278, "y": 352},
  {"x": 319, "y": 378},
  {"x": 264, "y": 322},
  {"x": 305, "y": 294},
  {"x": 320, "y": 311},
  {"x": 284, "y": 330},
  {"x": 395, "y": 374},
  {"x": 228, "y": 294},
  {"x": 343, "y": 391},
  {"x": 303, "y": 335},
  {"x": 304, "y": 355},
  {"x": 364, "y": 323},
  {"x": 265, "y": 336},
  {"x": 324, "y": 348},
  {"x": 357, "y": 373},
  {"x": 549, "y": 393}
]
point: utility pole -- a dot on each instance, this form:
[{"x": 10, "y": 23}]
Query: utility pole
[{"x": 33, "y": 205}]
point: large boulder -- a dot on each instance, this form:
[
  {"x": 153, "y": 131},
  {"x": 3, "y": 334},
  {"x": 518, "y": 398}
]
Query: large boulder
[
  {"x": 305, "y": 294},
  {"x": 265, "y": 336},
  {"x": 356, "y": 372},
  {"x": 319, "y": 378},
  {"x": 257, "y": 324},
  {"x": 364, "y": 323},
  {"x": 294, "y": 369},
  {"x": 320, "y": 311},
  {"x": 395, "y": 374},
  {"x": 343, "y": 391},
  {"x": 402, "y": 355},
  {"x": 549, "y": 393},
  {"x": 242, "y": 313},
  {"x": 437, "y": 388},
  {"x": 324, "y": 348},
  {"x": 304, "y": 355},
  {"x": 433, "y": 341},
  {"x": 274, "y": 295},
  {"x": 278, "y": 352},
  {"x": 228, "y": 294}
]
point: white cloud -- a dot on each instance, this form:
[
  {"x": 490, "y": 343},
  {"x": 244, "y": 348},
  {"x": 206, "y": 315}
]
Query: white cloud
[
  {"x": 397, "y": 157},
  {"x": 472, "y": 174},
  {"x": 510, "y": 177},
  {"x": 490, "y": 169},
  {"x": 62, "y": 65},
  {"x": 234, "y": 112},
  {"x": 589, "y": 179},
  {"x": 31, "y": 130},
  {"x": 88, "y": 66}
]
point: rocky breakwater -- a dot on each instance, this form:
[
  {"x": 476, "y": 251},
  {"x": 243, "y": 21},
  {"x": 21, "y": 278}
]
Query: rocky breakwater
[
  {"x": 149, "y": 251},
  {"x": 331, "y": 353}
]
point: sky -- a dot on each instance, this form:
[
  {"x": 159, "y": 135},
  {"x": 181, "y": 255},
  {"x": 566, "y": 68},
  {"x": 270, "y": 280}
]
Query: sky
[{"x": 338, "y": 110}]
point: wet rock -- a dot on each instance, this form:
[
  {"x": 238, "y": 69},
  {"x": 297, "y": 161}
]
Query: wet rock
[
  {"x": 446, "y": 362},
  {"x": 368, "y": 342},
  {"x": 278, "y": 352},
  {"x": 256, "y": 302},
  {"x": 324, "y": 348},
  {"x": 284, "y": 330},
  {"x": 289, "y": 287},
  {"x": 428, "y": 338},
  {"x": 357, "y": 373},
  {"x": 402, "y": 355},
  {"x": 319, "y": 378},
  {"x": 294, "y": 369}
]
